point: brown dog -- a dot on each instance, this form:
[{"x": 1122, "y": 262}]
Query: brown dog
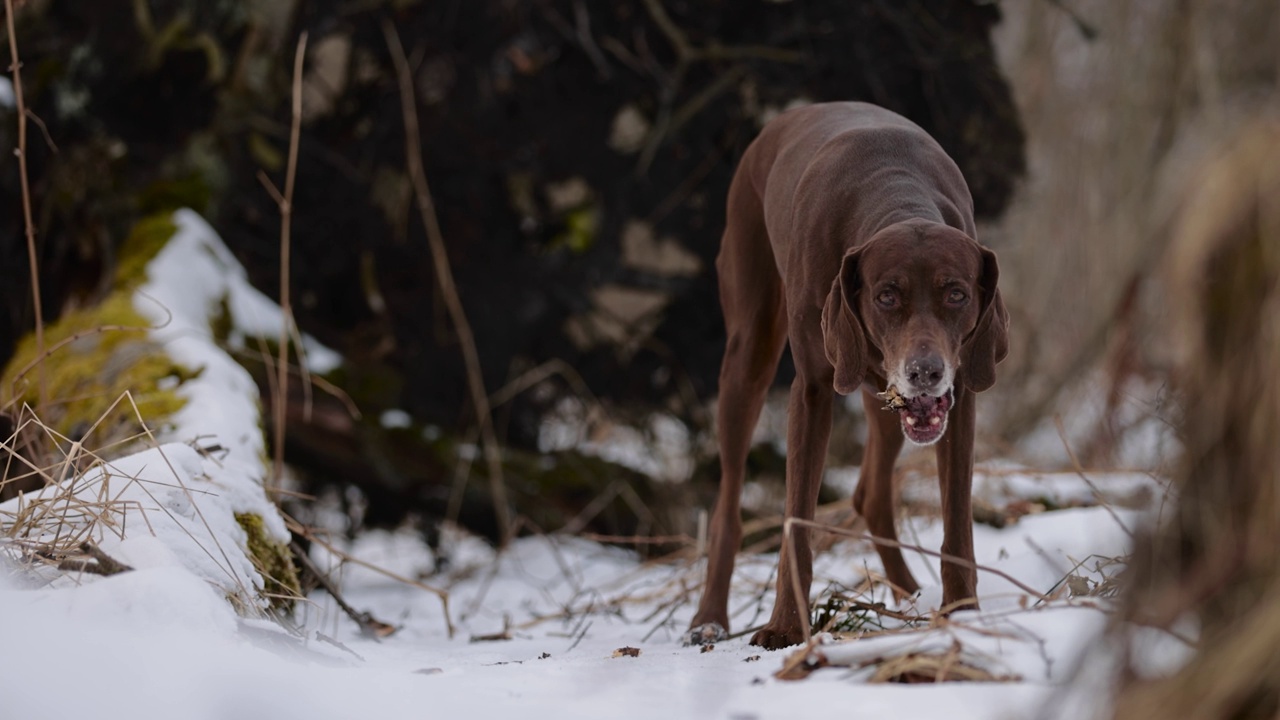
[{"x": 850, "y": 233}]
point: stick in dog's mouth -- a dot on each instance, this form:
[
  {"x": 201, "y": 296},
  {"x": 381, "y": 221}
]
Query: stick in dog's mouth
[{"x": 924, "y": 417}]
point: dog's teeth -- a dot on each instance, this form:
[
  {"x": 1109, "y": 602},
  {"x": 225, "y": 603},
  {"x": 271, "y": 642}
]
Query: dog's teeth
[
  {"x": 935, "y": 420},
  {"x": 911, "y": 421}
]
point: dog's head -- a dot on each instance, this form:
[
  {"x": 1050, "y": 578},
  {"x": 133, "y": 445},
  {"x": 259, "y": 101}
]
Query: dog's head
[{"x": 920, "y": 303}]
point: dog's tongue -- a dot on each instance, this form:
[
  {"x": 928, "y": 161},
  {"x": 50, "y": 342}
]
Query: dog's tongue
[{"x": 924, "y": 417}]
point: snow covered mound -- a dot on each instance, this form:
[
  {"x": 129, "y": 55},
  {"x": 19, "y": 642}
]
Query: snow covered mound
[
  {"x": 193, "y": 499},
  {"x": 173, "y": 506}
]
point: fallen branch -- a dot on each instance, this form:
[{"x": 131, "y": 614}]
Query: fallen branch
[
  {"x": 98, "y": 562},
  {"x": 369, "y": 626},
  {"x": 298, "y": 528}
]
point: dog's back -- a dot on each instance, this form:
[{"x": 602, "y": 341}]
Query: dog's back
[{"x": 809, "y": 170}]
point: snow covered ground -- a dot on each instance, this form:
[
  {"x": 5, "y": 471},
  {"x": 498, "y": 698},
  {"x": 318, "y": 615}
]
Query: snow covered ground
[
  {"x": 162, "y": 643},
  {"x": 553, "y": 627}
]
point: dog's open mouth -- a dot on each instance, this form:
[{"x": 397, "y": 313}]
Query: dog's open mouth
[{"x": 924, "y": 417}]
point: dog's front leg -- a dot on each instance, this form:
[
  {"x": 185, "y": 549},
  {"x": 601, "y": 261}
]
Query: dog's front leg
[
  {"x": 955, "y": 475},
  {"x": 808, "y": 427}
]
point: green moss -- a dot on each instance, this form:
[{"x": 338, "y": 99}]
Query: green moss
[
  {"x": 145, "y": 241},
  {"x": 220, "y": 324},
  {"x": 189, "y": 190},
  {"x": 581, "y": 226},
  {"x": 273, "y": 560},
  {"x": 95, "y": 354}
]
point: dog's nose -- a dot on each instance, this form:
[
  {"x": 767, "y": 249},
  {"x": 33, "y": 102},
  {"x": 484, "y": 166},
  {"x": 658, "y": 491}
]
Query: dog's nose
[{"x": 925, "y": 371}]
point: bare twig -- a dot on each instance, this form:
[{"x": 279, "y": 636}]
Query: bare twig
[
  {"x": 299, "y": 529},
  {"x": 44, "y": 130},
  {"x": 16, "y": 68},
  {"x": 946, "y": 557},
  {"x": 445, "y": 281},
  {"x": 687, "y": 54},
  {"x": 1075, "y": 462},
  {"x": 582, "y": 22}
]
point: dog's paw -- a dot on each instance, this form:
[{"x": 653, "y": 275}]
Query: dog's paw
[
  {"x": 705, "y": 634},
  {"x": 772, "y": 637}
]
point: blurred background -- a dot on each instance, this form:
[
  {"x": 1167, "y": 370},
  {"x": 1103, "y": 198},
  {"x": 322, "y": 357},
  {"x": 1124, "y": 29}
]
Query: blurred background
[{"x": 578, "y": 153}]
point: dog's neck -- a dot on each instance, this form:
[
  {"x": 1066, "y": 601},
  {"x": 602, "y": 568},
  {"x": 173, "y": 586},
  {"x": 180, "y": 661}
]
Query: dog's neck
[{"x": 918, "y": 209}]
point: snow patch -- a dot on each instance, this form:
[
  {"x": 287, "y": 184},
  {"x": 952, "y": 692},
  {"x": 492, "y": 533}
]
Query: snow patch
[
  {"x": 395, "y": 419},
  {"x": 662, "y": 449}
]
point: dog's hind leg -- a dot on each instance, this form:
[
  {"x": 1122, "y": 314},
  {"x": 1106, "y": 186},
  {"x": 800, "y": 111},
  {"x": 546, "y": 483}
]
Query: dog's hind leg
[{"x": 756, "y": 326}]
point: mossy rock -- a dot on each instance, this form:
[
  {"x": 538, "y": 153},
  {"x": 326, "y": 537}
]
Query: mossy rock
[
  {"x": 273, "y": 560},
  {"x": 94, "y": 355}
]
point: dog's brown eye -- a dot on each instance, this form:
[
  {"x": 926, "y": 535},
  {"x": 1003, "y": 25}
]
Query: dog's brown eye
[
  {"x": 956, "y": 297},
  {"x": 887, "y": 299}
]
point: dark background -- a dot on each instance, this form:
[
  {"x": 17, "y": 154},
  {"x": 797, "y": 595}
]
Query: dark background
[{"x": 182, "y": 105}]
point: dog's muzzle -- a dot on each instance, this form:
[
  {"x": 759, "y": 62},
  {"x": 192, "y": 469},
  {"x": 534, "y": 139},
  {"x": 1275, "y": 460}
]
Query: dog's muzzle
[{"x": 924, "y": 417}]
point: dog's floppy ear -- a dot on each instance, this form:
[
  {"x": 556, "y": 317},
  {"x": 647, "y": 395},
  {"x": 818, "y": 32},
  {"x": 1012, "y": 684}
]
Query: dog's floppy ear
[
  {"x": 842, "y": 335},
  {"x": 988, "y": 344}
]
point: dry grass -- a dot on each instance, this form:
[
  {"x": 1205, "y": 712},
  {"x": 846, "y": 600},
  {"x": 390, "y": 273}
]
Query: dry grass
[
  {"x": 54, "y": 523},
  {"x": 911, "y": 668},
  {"x": 288, "y": 329}
]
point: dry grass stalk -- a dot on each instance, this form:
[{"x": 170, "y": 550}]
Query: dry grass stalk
[
  {"x": 1216, "y": 559},
  {"x": 80, "y": 507},
  {"x": 15, "y": 67},
  {"x": 927, "y": 667},
  {"x": 446, "y": 284},
  {"x": 284, "y": 201}
]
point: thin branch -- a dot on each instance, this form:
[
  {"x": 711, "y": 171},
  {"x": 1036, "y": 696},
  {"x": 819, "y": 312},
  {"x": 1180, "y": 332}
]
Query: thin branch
[
  {"x": 665, "y": 124},
  {"x": 445, "y": 281},
  {"x": 1075, "y": 462},
  {"x": 16, "y": 68},
  {"x": 676, "y": 36},
  {"x": 44, "y": 130}
]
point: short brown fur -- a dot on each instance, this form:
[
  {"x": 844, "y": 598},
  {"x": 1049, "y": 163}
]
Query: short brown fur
[{"x": 834, "y": 210}]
